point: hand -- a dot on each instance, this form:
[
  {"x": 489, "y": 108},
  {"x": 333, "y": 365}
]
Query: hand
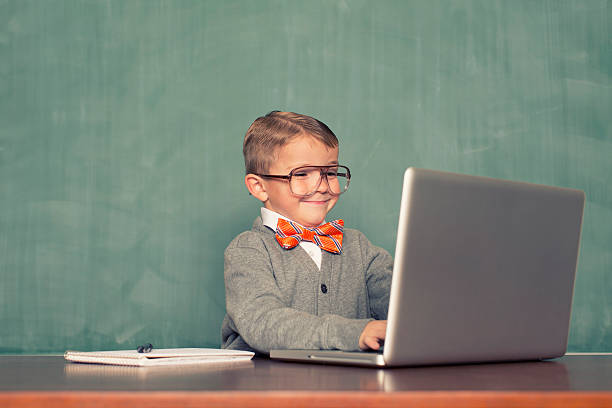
[{"x": 373, "y": 335}]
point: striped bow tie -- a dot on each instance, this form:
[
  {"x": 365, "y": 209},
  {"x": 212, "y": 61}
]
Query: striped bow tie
[{"x": 327, "y": 236}]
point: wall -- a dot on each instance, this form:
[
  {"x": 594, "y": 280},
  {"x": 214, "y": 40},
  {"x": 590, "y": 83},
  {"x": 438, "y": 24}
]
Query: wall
[{"x": 121, "y": 126}]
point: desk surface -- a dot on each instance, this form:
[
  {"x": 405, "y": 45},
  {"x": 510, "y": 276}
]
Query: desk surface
[{"x": 48, "y": 379}]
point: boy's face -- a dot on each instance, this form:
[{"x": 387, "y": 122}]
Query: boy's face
[{"x": 307, "y": 211}]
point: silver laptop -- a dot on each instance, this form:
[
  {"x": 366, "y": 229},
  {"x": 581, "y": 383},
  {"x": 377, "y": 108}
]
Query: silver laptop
[{"x": 484, "y": 272}]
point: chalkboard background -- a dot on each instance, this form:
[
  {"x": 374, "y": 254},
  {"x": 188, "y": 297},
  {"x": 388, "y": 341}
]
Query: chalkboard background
[{"x": 121, "y": 126}]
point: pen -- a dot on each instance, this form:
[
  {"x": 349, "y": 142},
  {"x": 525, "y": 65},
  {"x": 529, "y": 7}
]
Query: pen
[{"x": 145, "y": 348}]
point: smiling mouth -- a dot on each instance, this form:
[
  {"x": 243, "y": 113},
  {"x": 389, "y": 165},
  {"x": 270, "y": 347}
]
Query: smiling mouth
[{"x": 319, "y": 202}]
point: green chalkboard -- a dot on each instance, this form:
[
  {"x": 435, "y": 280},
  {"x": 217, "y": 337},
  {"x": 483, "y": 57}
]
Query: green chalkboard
[{"x": 121, "y": 126}]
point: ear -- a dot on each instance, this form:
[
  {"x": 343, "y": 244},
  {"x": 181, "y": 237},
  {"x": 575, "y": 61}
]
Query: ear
[{"x": 256, "y": 187}]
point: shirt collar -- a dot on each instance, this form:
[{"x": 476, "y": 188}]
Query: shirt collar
[{"x": 270, "y": 218}]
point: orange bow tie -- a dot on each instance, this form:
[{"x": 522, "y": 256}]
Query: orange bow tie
[{"x": 327, "y": 236}]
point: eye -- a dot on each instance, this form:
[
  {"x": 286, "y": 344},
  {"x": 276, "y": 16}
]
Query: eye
[
  {"x": 332, "y": 173},
  {"x": 300, "y": 174}
]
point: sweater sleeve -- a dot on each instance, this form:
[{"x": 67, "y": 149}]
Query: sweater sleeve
[
  {"x": 379, "y": 269},
  {"x": 256, "y": 307}
]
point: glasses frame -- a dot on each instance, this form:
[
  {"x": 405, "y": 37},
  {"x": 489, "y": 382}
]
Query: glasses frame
[{"x": 288, "y": 177}]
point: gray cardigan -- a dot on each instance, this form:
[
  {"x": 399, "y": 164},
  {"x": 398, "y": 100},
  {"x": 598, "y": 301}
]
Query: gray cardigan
[{"x": 279, "y": 299}]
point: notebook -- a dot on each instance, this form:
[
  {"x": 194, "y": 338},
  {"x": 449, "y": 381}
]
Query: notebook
[
  {"x": 159, "y": 357},
  {"x": 484, "y": 271}
]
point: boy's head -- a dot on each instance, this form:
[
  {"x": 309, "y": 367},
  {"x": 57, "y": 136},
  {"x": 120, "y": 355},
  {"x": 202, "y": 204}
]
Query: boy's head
[
  {"x": 277, "y": 144},
  {"x": 276, "y": 129}
]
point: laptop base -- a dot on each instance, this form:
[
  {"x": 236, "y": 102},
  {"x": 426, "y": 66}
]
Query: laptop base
[{"x": 357, "y": 358}]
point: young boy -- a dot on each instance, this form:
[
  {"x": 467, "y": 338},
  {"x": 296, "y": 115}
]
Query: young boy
[{"x": 293, "y": 281}]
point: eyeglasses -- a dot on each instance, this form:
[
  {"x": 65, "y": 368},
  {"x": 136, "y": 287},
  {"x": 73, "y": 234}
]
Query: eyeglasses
[{"x": 305, "y": 181}]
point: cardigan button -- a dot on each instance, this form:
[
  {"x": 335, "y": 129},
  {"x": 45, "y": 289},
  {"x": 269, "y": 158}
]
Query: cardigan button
[{"x": 323, "y": 288}]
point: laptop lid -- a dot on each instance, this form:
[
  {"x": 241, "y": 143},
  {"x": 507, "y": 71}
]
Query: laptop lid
[{"x": 484, "y": 270}]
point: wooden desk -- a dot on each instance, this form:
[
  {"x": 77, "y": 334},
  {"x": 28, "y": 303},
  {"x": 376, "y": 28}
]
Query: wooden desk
[{"x": 47, "y": 381}]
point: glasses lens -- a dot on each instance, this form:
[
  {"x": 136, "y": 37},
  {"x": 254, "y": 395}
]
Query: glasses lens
[{"x": 306, "y": 180}]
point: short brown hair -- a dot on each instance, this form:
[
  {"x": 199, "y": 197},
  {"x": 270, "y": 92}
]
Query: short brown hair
[{"x": 268, "y": 133}]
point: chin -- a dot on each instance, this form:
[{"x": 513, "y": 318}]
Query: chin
[{"x": 312, "y": 221}]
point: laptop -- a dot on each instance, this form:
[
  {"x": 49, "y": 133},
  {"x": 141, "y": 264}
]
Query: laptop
[{"x": 484, "y": 272}]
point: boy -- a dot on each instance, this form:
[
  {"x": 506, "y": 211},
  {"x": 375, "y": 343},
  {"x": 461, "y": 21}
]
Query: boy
[{"x": 291, "y": 282}]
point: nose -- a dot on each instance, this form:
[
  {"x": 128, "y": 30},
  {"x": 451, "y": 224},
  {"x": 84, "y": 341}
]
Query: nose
[{"x": 323, "y": 183}]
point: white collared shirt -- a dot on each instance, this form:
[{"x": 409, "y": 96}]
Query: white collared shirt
[{"x": 270, "y": 219}]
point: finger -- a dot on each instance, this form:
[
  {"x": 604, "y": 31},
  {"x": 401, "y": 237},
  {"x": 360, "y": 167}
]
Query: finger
[{"x": 372, "y": 342}]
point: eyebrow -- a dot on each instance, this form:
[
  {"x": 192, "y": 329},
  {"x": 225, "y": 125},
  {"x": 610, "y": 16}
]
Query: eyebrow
[
  {"x": 316, "y": 165},
  {"x": 296, "y": 166},
  {"x": 334, "y": 162}
]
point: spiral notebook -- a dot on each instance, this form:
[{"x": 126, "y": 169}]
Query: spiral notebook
[{"x": 159, "y": 357}]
